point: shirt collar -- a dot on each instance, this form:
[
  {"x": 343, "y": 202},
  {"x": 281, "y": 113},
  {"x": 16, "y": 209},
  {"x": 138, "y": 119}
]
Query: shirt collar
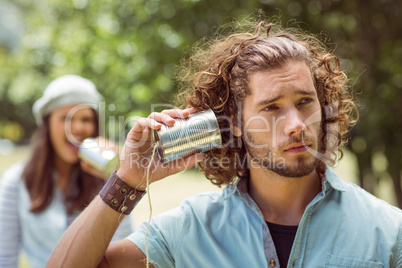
[
  {"x": 240, "y": 186},
  {"x": 331, "y": 180}
]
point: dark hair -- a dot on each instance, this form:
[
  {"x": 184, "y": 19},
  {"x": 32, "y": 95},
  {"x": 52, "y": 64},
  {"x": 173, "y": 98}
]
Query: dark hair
[
  {"x": 39, "y": 179},
  {"x": 216, "y": 77}
]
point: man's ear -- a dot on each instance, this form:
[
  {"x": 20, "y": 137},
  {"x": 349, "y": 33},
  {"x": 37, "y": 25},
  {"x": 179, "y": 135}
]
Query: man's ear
[{"x": 236, "y": 131}]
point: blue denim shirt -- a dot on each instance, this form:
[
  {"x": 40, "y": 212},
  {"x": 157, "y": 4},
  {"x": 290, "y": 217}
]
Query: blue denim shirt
[{"x": 343, "y": 226}]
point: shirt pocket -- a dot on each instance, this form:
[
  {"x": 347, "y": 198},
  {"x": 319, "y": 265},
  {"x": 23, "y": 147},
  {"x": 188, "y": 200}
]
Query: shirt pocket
[{"x": 338, "y": 261}]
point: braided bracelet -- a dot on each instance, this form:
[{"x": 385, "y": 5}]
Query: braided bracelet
[{"x": 119, "y": 196}]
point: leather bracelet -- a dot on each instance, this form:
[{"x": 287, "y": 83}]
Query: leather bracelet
[{"x": 119, "y": 196}]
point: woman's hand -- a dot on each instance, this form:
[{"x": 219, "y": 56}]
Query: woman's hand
[{"x": 87, "y": 168}]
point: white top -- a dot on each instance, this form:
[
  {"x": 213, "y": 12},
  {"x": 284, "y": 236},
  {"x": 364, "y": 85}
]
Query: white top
[{"x": 34, "y": 233}]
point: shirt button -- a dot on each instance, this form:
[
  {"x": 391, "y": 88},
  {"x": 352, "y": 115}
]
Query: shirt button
[{"x": 272, "y": 263}]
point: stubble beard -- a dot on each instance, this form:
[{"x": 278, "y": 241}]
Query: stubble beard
[{"x": 266, "y": 158}]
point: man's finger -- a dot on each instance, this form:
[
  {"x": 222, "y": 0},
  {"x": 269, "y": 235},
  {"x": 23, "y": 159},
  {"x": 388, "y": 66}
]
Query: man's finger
[
  {"x": 178, "y": 113},
  {"x": 163, "y": 118}
]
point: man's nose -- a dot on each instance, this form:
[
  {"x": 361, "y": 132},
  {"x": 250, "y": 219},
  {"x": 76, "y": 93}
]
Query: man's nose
[{"x": 293, "y": 122}]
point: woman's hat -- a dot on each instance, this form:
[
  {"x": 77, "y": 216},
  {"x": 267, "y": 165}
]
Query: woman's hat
[{"x": 64, "y": 91}]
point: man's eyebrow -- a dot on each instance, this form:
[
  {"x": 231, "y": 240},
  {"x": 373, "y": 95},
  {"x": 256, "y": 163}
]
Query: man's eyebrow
[
  {"x": 306, "y": 92},
  {"x": 268, "y": 101},
  {"x": 299, "y": 92}
]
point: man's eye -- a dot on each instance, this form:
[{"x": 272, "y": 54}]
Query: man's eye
[
  {"x": 306, "y": 100},
  {"x": 270, "y": 108}
]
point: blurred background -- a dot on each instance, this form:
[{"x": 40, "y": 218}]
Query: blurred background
[{"x": 130, "y": 49}]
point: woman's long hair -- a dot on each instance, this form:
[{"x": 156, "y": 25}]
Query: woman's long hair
[{"x": 40, "y": 182}]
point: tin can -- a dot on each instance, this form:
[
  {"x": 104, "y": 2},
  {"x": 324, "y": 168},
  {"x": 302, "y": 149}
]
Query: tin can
[
  {"x": 104, "y": 160},
  {"x": 198, "y": 133}
]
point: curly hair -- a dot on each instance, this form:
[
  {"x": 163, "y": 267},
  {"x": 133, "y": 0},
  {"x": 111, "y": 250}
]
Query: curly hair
[{"x": 216, "y": 77}]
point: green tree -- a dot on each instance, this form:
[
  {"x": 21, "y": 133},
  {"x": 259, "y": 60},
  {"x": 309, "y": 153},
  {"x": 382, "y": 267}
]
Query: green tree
[{"x": 130, "y": 49}]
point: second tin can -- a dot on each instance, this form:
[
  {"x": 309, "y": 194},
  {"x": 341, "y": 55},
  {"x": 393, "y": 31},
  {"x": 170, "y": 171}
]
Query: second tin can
[
  {"x": 104, "y": 160},
  {"x": 198, "y": 133}
]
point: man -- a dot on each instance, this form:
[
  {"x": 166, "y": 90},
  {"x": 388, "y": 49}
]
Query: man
[{"x": 283, "y": 110}]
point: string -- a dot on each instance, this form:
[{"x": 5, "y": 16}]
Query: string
[{"x": 149, "y": 201}]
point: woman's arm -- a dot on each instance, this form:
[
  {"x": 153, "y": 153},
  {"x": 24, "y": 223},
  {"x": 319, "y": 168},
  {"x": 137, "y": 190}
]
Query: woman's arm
[{"x": 10, "y": 232}]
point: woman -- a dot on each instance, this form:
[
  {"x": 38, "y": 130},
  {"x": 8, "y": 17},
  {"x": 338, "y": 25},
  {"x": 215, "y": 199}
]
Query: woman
[{"x": 40, "y": 199}]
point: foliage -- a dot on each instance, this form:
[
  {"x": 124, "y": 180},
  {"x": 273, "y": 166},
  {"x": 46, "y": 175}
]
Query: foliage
[{"x": 130, "y": 49}]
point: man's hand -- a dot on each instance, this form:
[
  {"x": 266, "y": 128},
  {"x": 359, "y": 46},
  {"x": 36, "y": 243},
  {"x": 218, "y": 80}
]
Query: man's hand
[{"x": 137, "y": 150}]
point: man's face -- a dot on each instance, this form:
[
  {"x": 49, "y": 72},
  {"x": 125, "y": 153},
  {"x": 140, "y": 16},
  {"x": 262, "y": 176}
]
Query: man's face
[{"x": 274, "y": 120}]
